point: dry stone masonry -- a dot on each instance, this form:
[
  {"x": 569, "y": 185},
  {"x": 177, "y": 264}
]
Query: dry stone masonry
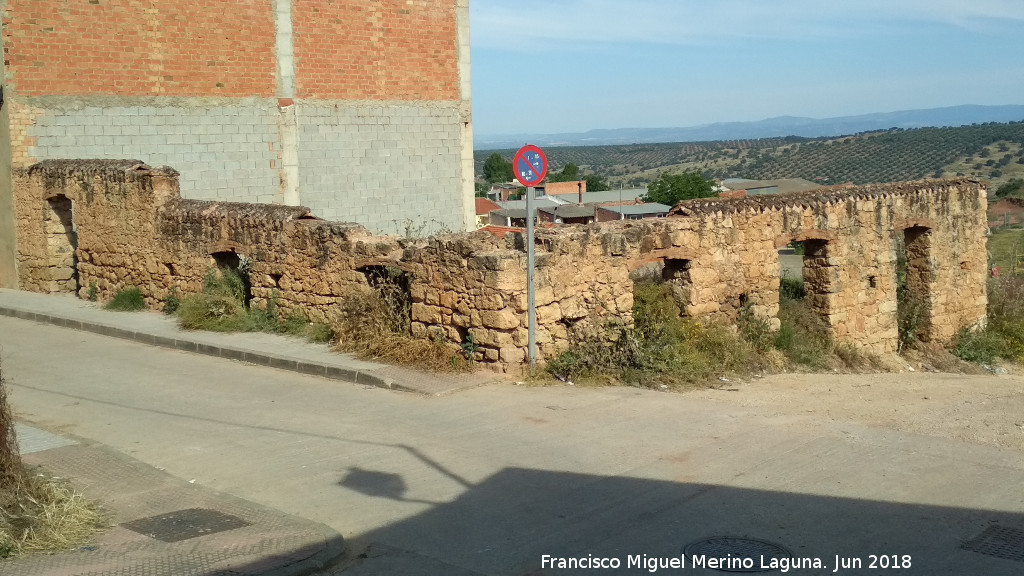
[{"x": 113, "y": 224}]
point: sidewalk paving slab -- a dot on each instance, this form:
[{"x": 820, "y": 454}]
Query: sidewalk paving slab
[
  {"x": 260, "y": 541},
  {"x": 273, "y": 350}
]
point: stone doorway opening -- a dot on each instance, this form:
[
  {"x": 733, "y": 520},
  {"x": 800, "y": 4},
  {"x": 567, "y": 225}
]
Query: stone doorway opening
[
  {"x": 61, "y": 244},
  {"x": 819, "y": 277},
  {"x": 791, "y": 271},
  {"x": 914, "y": 277}
]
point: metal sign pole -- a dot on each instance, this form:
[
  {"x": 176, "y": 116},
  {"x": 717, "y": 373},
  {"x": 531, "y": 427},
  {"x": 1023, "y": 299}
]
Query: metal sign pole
[
  {"x": 531, "y": 292},
  {"x": 530, "y": 165}
]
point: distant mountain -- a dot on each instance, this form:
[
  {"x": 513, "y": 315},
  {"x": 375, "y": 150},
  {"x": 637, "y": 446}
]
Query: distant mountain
[{"x": 770, "y": 128}]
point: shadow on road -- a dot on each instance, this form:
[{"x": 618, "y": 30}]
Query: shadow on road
[{"x": 507, "y": 523}]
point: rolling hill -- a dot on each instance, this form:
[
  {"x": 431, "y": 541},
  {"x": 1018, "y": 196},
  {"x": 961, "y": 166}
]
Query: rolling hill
[{"x": 991, "y": 151}]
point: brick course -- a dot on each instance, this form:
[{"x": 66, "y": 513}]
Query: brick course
[
  {"x": 376, "y": 50},
  {"x": 140, "y": 47}
]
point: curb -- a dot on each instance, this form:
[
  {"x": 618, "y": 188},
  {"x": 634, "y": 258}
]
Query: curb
[{"x": 231, "y": 353}]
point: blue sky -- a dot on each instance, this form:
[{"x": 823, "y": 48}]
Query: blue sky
[{"x": 572, "y": 65}]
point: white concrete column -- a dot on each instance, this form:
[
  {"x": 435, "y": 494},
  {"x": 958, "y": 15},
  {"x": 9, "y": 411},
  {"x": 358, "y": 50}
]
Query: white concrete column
[
  {"x": 288, "y": 125},
  {"x": 465, "y": 112}
]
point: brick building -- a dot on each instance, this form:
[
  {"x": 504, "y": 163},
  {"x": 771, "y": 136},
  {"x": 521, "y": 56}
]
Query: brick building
[{"x": 358, "y": 109}]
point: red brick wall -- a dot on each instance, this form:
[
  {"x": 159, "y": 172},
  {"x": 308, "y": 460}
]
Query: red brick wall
[
  {"x": 376, "y": 49},
  {"x": 140, "y": 47},
  {"x": 559, "y": 188}
]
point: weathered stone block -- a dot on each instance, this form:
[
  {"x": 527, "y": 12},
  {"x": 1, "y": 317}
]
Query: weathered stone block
[
  {"x": 500, "y": 319},
  {"x": 512, "y": 355},
  {"x": 426, "y": 314}
]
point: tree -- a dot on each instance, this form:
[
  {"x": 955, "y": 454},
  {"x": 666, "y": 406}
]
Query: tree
[
  {"x": 670, "y": 189},
  {"x": 497, "y": 169},
  {"x": 1015, "y": 187},
  {"x": 570, "y": 173},
  {"x": 596, "y": 183}
]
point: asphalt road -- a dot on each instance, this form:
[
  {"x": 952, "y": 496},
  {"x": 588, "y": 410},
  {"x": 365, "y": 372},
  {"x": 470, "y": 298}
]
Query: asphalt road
[{"x": 491, "y": 480}]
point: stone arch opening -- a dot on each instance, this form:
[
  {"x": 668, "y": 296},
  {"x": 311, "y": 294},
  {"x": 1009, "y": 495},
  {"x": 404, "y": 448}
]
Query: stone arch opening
[
  {"x": 914, "y": 278},
  {"x": 61, "y": 244}
]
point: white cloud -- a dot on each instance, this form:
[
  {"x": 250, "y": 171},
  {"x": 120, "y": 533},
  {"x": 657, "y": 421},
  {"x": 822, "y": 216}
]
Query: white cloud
[{"x": 515, "y": 25}]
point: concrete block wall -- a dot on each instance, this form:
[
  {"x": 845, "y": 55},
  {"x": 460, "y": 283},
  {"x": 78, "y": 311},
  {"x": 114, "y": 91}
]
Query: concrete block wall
[
  {"x": 227, "y": 150},
  {"x": 388, "y": 166}
]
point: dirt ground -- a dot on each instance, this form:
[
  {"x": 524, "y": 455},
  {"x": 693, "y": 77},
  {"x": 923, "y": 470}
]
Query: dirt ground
[{"x": 979, "y": 409}]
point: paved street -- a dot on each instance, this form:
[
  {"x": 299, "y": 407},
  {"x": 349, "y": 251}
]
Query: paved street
[{"x": 489, "y": 480}]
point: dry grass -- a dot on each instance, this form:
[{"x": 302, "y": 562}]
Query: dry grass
[
  {"x": 46, "y": 515},
  {"x": 375, "y": 324}
]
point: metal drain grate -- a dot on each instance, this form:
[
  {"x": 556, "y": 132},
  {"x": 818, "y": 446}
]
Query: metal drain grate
[
  {"x": 999, "y": 541},
  {"x": 728, "y": 546},
  {"x": 185, "y": 524}
]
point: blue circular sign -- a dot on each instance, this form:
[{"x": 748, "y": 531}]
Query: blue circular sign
[{"x": 530, "y": 165}]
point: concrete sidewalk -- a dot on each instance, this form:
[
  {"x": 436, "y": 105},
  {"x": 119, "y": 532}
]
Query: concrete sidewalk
[
  {"x": 276, "y": 351},
  {"x": 165, "y": 526}
]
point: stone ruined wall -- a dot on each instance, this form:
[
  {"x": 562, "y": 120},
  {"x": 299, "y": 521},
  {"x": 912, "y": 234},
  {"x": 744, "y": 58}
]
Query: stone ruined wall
[
  {"x": 359, "y": 109},
  {"x": 104, "y": 209},
  {"x": 131, "y": 228},
  {"x": 722, "y": 255}
]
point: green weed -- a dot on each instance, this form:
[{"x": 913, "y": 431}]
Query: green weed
[
  {"x": 222, "y": 307},
  {"x": 172, "y": 302},
  {"x": 659, "y": 348},
  {"x": 127, "y": 300}
]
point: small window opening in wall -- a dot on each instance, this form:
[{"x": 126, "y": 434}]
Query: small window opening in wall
[
  {"x": 233, "y": 269},
  {"x": 872, "y": 282},
  {"x": 570, "y": 323},
  {"x": 393, "y": 287},
  {"x": 744, "y": 300},
  {"x": 170, "y": 269},
  {"x": 676, "y": 273},
  {"x": 276, "y": 279}
]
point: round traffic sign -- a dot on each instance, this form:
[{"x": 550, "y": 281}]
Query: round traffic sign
[{"x": 530, "y": 165}]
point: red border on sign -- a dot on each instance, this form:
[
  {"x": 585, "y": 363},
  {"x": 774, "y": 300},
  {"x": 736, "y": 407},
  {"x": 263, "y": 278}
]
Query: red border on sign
[{"x": 520, "y": 157}]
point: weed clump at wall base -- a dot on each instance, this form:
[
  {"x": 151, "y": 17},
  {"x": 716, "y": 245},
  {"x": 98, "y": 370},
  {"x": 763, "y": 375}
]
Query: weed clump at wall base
[
  {"x": 658, "y": 348},
  {"x": 221, "y": 307},
  {"x": 803, "y": 336},
  {"x": 127, "y": 300},
  {"x": 375, "y": 323},
  {"x": 1003, "y": 335}
]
